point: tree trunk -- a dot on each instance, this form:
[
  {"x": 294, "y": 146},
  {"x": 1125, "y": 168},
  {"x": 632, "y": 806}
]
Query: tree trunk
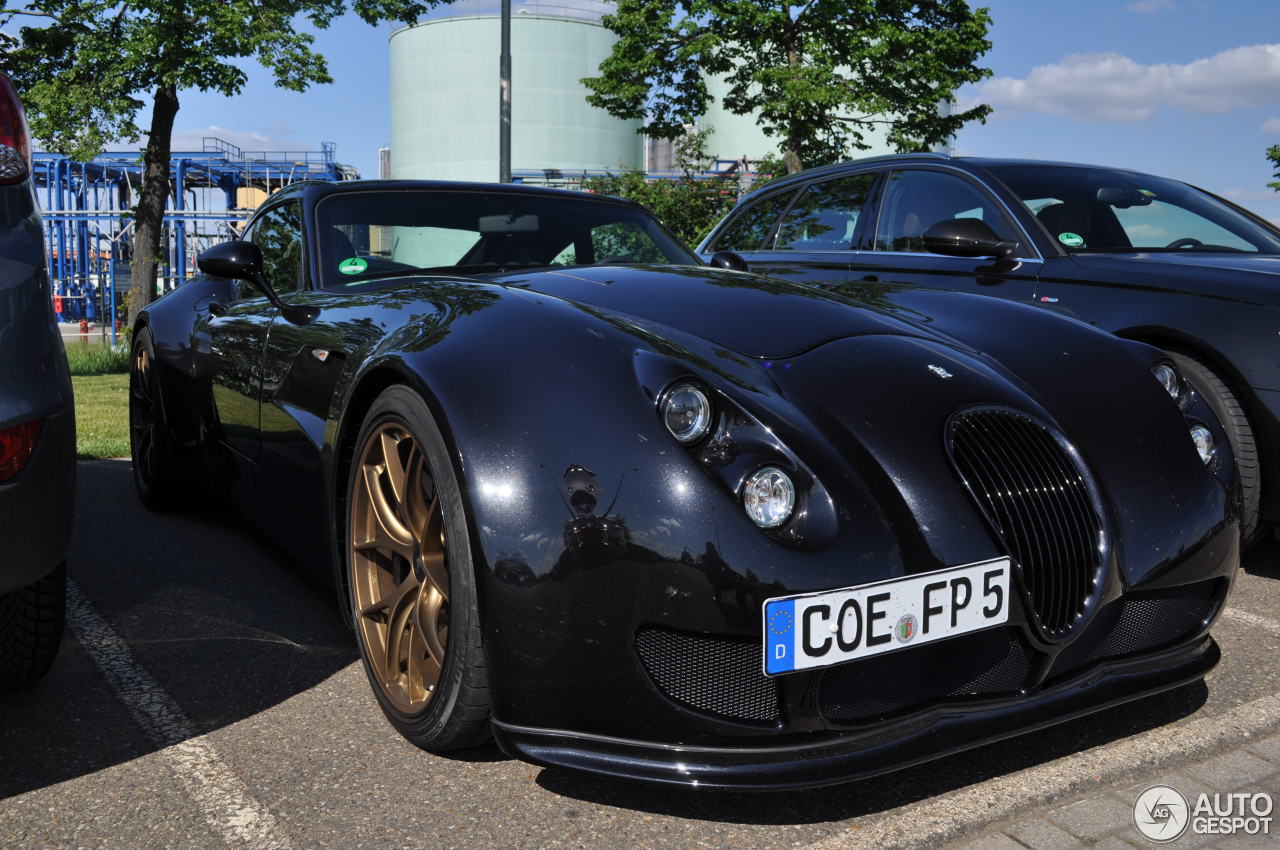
[{"x": 149, "y": 213}]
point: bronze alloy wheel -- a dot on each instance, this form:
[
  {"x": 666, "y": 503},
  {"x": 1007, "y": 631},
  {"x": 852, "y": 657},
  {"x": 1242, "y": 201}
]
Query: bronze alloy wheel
[
  {"x": 154, "y": 474},
  {"x": 399, "y": 568},
  {"x": 142, "y": 413}
]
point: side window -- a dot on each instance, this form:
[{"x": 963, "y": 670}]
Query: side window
[
  {"x": 278, "y": 234},
  {"x": 913, "y": 201},
  {"x": 752, "y": 226},
  {"x": 825, "y": 215}
]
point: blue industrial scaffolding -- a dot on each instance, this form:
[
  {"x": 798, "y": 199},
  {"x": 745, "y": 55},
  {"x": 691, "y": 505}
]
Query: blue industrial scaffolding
[{"x": 88, "y": 219}]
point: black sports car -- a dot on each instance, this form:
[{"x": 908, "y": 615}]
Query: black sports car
[
  {"x": 1143, "y": 257},
  {"x": 657, "y": 520}
]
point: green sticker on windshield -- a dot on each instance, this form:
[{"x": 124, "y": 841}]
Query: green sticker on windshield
[
  {"x": 1148, "y": 193},
  {"x": 353, "y": 265},
  {"x": 1071, "y": 240}
]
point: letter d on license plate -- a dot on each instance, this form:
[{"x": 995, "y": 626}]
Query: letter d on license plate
[{"x": 834, "y": 626}]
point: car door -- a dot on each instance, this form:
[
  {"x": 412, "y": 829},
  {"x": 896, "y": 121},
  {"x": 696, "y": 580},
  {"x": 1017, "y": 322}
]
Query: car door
[
  {"x": 814, "y": 238},
  {"x": 238, "y": 329},
  {"x": 909, "y": 202}
]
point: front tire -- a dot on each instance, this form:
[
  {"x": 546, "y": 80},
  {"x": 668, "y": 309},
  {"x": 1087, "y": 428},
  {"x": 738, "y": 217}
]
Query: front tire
[
  {"x": 31, "y": 624},
  {"x": 412, "y": 586},
  {"x": 1226, "y": 406}
]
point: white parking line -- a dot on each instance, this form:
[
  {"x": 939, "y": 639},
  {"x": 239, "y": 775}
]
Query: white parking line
[{"x": 223, "y": 799}]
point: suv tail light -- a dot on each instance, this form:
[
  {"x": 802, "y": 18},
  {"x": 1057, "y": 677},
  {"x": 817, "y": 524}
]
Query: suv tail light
[
  {"x": 15, "y": 141},
  {"x": 16, "y": 445}
]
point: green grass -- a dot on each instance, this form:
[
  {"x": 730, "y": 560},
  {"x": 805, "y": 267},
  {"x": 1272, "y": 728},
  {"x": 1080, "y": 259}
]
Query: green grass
[
  {"x": 102, "y": 415},
  {"x": 95, "y": 358}
]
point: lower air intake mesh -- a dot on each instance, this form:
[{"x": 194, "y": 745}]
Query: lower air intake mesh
[
  {"x": 715, "y": 675},
  {"x": 1140, "y": 622},
  {"x": 988, "y": 663}
]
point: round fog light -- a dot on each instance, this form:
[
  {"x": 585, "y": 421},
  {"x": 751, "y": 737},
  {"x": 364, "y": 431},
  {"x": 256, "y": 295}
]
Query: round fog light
[
  {"x": 1203, "y": 439},
  {"x": 769, "y": 497},
  {"x": 687, "y": 413}
]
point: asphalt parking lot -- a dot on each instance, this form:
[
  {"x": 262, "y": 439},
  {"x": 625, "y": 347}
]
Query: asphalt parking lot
[{"x": 207, "y": 695}]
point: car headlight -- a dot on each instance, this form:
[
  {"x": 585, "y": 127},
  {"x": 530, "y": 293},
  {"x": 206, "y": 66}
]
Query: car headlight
[
  {"x": 686, "y": 411},
  {"x": 1203, "y": 439},
  {"x": 1178, "y": 389},
  {"x": 769, "y": 497}
]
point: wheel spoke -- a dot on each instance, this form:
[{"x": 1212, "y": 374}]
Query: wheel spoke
[
  {"x": 399, "y": 615},
  {"x": 387, "y": 531},
  {"x": 428, "y": 621}
]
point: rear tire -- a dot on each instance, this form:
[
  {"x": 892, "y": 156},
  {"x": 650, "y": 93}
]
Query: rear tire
[
  {"x": 31, "y": 624},
  {"x": 1226, "y": 406},
  {"x": 411, "y": 580},
  {"x": 155, "y": 475}
]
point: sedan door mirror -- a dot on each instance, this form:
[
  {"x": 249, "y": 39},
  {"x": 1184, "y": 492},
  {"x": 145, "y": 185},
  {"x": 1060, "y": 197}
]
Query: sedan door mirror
[
  {"x": 966, "y": 237},
  {"x": 728, "y": 260}
]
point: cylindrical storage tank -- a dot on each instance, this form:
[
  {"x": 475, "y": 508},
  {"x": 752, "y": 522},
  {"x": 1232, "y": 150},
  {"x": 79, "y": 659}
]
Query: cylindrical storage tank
[
  {"x": 444, "y": 93},
  {"x": 735, "y": 136}
]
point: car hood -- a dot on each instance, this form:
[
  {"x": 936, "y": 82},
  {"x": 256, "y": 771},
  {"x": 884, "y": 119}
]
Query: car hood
[
  {"x": 1245, "y": 276},
  {"x": 750, "y": 314}
]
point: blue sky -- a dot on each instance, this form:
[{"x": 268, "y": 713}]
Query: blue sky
[{"x": 1188, "y": 89}]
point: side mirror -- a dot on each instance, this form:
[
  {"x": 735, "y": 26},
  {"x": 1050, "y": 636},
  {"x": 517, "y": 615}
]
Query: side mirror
[
  {"x": 239, "y": 260},
  {"x": 728, "y": 260},
  {"x": 965, "y": 237},
  {"x": 236, "y": 260}
]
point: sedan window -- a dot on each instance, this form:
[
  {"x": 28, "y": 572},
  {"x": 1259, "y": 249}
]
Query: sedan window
[
  {"x": 914, "y": 201},
  {"x": 749, "y": 229},
  {"x": 825, "y": 216},
  {"x": 1101, "y": 209}
]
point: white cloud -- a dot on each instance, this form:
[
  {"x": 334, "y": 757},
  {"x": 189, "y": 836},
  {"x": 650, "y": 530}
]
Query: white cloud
[
  {"x": 193, "y": 139},
  {"x": 1150, "y": 7},
  {"x": 1113, "y": 87},
  {"x": 1271, "y": 127}
]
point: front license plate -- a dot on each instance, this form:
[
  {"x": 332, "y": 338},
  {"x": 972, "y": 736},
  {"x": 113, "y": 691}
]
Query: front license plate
[{"x": 834, "y": 626}]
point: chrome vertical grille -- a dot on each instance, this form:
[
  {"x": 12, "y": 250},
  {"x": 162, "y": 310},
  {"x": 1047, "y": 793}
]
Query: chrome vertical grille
[{"x": 1034, "y": 492}]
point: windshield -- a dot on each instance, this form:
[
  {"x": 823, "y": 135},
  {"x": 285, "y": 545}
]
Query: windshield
[
  {"x": 1100, "y": 210},
  {"x": 368, "y": 235}
]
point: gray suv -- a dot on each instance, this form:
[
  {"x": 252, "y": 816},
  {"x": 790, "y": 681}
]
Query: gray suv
[{"x": 37, "y": 424}]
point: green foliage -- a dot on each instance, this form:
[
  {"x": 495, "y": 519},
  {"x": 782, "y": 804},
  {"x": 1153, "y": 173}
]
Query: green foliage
[
  {"x": 85, "y": 68},
  {"x": 819, "y": 74},
  {"x": 91, "y": 357},
  {"x": 687, "y": 204},
  {"x": 1273, "y": 154}
]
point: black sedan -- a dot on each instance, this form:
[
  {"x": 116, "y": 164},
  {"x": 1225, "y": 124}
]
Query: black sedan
[
  {"x": 37, "y": 424},
  {"x": 651, "y": 519},
  {"x": 1143, "y": 257}
]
